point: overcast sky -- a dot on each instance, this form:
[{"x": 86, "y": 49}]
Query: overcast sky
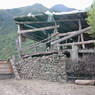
[{"x": 78, "y": 4}]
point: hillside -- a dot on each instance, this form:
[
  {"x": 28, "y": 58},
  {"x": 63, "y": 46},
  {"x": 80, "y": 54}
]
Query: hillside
[{"x": 8, "y": 27}]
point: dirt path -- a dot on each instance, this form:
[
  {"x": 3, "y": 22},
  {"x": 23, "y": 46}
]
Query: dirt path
[{"x": 31, "y": 87}]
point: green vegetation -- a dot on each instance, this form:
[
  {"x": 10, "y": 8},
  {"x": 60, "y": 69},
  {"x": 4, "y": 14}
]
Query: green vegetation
[
  {"x": 8, "y": 28},
  {"x": 91, "y": 18}
]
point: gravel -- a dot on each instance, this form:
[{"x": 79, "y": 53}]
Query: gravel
[{"x": 38, "y": 87}]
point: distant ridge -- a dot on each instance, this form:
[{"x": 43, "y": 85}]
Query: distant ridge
[{"x": 61, "y": 8}]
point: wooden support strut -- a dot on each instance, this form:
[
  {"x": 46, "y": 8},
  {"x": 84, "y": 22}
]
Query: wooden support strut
[
  {"x": 78, "y": 43},
  {"x": 46, "y": 40},
  {"x": 72, "y": 35},
  {"x": 68, "y": 33},
  {"x": 38, "y": 29},
  {"x": 81, "y": 36}
]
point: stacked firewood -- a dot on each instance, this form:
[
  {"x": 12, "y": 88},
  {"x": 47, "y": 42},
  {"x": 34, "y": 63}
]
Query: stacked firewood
[{"x": 50, "y": 68}]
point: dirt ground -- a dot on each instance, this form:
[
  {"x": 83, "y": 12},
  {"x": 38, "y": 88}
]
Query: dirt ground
[{"x": 38, "y": 87}]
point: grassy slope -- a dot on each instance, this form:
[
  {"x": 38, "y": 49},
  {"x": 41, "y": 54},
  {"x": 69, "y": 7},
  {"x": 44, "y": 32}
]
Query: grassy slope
[{"x": 8, "y": 28}]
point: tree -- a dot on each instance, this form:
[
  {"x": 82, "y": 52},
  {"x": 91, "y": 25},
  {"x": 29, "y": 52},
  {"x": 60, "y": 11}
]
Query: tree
[{"x": 91, "y": 18}]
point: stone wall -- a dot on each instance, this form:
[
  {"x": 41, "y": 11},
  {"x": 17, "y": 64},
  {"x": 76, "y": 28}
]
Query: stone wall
[{"x": 51, "y": 68}]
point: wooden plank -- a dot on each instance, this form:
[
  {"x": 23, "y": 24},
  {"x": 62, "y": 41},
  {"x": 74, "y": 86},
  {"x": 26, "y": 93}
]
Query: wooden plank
[
  {"x": 72, "y": 35},
  {"x": 38, "y": 29},
  {"x": 3, "y": 62},
  {"x": 5, "y": 65},
  {"x": 78, "y": 43},
  {"x": 3, "y": 73},
  {"x": 5, "y": 70}
]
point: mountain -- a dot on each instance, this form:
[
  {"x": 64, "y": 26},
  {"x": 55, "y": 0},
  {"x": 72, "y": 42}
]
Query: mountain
[
  {"x": 61, "y": 8},
  {"x": 8, "y": 27},
  {"x": 6, "y": 16}
]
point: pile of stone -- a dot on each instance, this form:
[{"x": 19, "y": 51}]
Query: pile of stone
[{"x": 51, "y": 68}]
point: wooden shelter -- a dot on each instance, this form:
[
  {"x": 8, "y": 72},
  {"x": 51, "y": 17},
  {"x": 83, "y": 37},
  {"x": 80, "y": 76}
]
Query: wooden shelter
[{"x": 57, "y": 31}]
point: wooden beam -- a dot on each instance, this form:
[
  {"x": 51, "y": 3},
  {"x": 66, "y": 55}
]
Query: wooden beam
[
  {"x": 72, "y": 35},
  {"x": 40, "y": 54},
  {"x": 65, "y": 34},
  {"x": 87, "y": 51},
  {"x": 78, "y": 43},
  {"x": 38, "y": 29},
  {"x": 39, "y": 22},
  {"x": 69, "y": 33},
  {"x": 82, "y": 50}
]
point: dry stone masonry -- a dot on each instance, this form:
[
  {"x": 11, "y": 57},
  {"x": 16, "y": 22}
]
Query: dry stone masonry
[{"x": 51, "y": 68}]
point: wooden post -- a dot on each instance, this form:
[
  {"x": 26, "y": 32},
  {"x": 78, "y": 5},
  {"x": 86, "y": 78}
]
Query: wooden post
[
  {"x": 55, "y": 32},
  {"x": 19, "y": 46},
  {"x": 81, "y": 35},
  {"x": 82, "y": 39},
  {"x": 19, "y": 37},
  {"x": 74, "y": 54},
  {"x": 35, "y": 48}
]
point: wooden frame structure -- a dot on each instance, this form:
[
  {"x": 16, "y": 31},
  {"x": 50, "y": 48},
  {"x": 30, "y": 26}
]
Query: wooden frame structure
[{"x": 56, "y": 42}]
